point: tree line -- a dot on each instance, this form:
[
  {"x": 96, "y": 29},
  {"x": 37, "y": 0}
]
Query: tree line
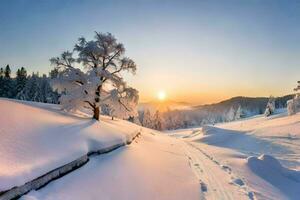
[
  {"x": 226, "y": 111},
  {"x": 27, "y": 87}
]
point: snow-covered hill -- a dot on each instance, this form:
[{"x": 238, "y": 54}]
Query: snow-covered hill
[
  {"x": 255, "y": 158},
  {"x": 259, "y": 156},
  {"x": 36, "y": 138}
]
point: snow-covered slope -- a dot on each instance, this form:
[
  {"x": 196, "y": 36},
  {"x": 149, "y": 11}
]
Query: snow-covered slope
[
  {"x": 152, "y": 167},
  {"x": 260, "y": 156},
  {"x": 36, "y": 138}
]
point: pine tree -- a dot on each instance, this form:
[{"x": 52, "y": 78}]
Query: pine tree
[
  {"x": 31, "y": 91},
  {"x": 35, "y": 88},
  {"x": 21, "y": 79},
  {"x": 53, "y": 73},
  {"x": 7, "y": 72},
  {"x": 1, "y": 82},
  {"x": 147, "y": 119},
  {"x": 8, "y": 88},
  {"x": 45, "y": 90}
]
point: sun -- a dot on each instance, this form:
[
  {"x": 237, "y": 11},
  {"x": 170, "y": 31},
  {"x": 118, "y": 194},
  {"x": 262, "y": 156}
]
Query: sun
[{"x": 161, "y": 95}]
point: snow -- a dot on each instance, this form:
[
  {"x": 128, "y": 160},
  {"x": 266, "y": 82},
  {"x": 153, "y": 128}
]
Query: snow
[
  {"x": 269, "y": 169},
  {"x": 153, "y": 167},
  {"x": 37, "y": 138},
  {"x": 260, "y": 156},
  {"x": 255, "y": 158}
]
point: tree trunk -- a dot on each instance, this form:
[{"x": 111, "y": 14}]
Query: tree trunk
[
  {"x": 96, "y": 113},
  {"x": 97, "y": 100}
]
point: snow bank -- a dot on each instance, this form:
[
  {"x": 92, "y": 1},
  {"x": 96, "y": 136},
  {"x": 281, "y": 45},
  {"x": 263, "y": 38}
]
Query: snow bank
[
  {"x": 37, "y": 138},
  {"x": 269, "y": 168}
]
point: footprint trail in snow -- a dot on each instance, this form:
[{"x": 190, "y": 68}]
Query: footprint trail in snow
[{"x": 216, "y": 181}]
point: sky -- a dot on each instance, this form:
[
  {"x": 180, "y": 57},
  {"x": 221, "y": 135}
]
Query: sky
[{"x": 196, "y": 51}]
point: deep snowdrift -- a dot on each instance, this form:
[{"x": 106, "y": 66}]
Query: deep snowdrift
[{"x": 36, "y": 138}]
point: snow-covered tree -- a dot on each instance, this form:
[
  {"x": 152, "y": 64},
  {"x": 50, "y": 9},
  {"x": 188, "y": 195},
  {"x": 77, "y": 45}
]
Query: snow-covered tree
[
  {"x": 296, "y": 89},
  {"x": 31, "y": 91},
  {"x": 270, "y": 109},
  {"x": 114, "y": 108},
  {"x": 239, "y": 113},
  {"x": 157, "y": 121},
  {"x": 38, "y": 89},
  {"x": 230, "y": 115},
  {"x": 101, "y": 82},
  {"x": 147, "y": 122},
  {"x": 293, "y": 105},
  {"x": 47, "y": 95}
]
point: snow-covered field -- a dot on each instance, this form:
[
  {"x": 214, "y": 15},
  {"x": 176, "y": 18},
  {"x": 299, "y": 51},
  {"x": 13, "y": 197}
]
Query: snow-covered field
[
  {"x": 257, "y": 158},
  {"x": 37, "y": 138}
]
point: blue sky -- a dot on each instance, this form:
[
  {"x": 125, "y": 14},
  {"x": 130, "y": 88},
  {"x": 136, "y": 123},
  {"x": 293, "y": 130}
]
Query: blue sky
[{"x": 197, "y": 51}]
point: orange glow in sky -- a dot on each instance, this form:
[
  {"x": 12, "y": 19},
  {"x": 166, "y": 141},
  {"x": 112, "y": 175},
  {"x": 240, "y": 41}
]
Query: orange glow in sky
[{"x": 161, "y": 95}]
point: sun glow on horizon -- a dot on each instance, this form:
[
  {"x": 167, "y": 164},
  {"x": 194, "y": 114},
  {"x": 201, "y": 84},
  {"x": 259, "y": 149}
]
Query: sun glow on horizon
[{"x": 161, "y": 95}]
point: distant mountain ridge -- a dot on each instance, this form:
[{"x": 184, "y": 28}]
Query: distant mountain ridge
[
  {"x": 250, "y": 106},
  {"x": 183, "y": 115},
  {"x": 164, "y": 105},
  {"x": 245, "y": 102}
]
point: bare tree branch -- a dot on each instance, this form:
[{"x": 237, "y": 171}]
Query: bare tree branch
[
  {"x": 109, "y": 61},
  {"x": 124, "y": 105},
  {"x": 79, "y": 82},
  {"x": 90, "y": 104}
]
